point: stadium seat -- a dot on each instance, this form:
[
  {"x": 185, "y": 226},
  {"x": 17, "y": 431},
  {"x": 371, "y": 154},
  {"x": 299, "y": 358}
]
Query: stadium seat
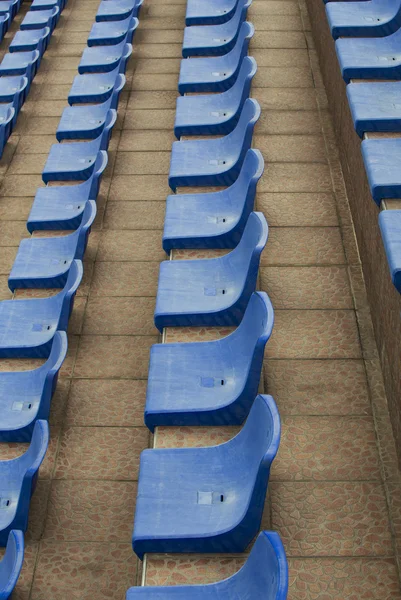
[
  {"x": 85, "y": 122},
  {"x": 10, "y": 7},
  {"x": 370, "y": 58},
  {"x": 213, "y": 291},
  {"x": 382, "y": 158},
  {"x": 215, "y": 39},
  {"x": 213, "y": 219},
  {"x": 13, "y": 90},
  {"x": 7, "y": 117},
  {"x": 25, "y": 396},
  {"x": 96, "y": 87},
  {"x": 209, "y": 12},
  {"x": 218, "y": 73},
  {"x": 375, "y": 106},
  {"x": 215, "y": 161},
  {"x": 207, "y": 499},
  {"x": 20, "y": 63},
  {"x": 38, "y": 19},
  {"x": 213, "y": 382},
  {"x": 18, "y": 478},
  {"x": 101, "y": 59},
  {"x": 263, "y": 577},
  {"x": 11, "y": 563},
  {"x": 118, "y": 10},
  {"x": 76, "y": 161},
  {"x": 46, "y": 4},
  {"x": 373, "y": 18},
  {"x": 45, "y": 262},
  {"x": 30, "y": 39},
  {"x": 110, "y": 33},
  {"x": 62, "y": 207},
  {"x": 27, "y": 327},
  {"x": 390, "y": 227},
  {"x": 215, "y": 114}
]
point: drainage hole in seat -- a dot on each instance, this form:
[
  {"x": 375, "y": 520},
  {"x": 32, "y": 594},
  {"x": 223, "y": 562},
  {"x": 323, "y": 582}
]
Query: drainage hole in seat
[{"x": 221, "y": 498}]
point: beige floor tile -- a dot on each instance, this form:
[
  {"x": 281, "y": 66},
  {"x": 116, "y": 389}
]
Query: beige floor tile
[
  {"x": 303, "y": 246},
  {"x": 291, "y": 148},
  {"x": 134, "y": 215},
  {"x": 150, "y": 119},
  {"x": 125, "y": 279},
  {"x": 146, "y": 141},
  {"x": 296, "y": 177},
  {"x": 138, "y": 188},
  {"x": 131, "y": 246},
  {"x": 298, "y": 209},
  {"x": 142, "y": 163},
  {"x": 120, "y": 316}
]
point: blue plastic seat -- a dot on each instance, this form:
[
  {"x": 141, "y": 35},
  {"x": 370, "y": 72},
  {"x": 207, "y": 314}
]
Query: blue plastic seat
[
  {"x": 18, "y": 478},
  {"x": 215, "y": 40},
  {"x": 217, "y": 73},
  {"x": 374, "y": 18},
  {"x": 30, "y": 39},
  {"x": 85, "y": 122},
  {"x": 207, "y": 499},
  {"x": 62, "y": 207},
  {"x": 375, "y": 106},
  {"x": 390, "y": 227},
  {"x": 5, "y": 21},
  {"x": 9, "y": 6},
  {"x": 370, "y": 58},
  {"x": 212, "y": 291},
  {"x": 382, "y": 158},
  {"x": 20, "y": 63},
  {"x": 215, "y": 161},
  {"x": 100, "y": 59},
  {"x": 112, "y": 32},
  {"x": 13, "y": 90},
  {"x": 38, "y": 19},
  {"x": 263, "y": 577},
  {"x": 44, "y": 262},
  {"x": 46, "y": 4},
  {"x": 210, "y": 12},
  {"x": 215, "y": 114},
  {"x": 27, "y": 327},
  {"x": 214, "y": 219},
  {"x": 210, "y": 383},
  {"x": 76, "y": 161},
  {"x": 25, "y": 396},
  {"x": 7, "y": 115},
  {"x": 118, "y": 10},
  {"x": 11, "y": 564},
  {"x": 96, "y": 87}
]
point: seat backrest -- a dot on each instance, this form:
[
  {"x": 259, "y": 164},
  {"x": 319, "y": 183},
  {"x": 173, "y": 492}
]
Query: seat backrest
[
  {"x": 83, "y": 230},
  {"x": 240, "y": 49},
  {"x": 247, "y": 180},
  {"x": 243, "y": 131},
  {"x": 65, "y": 298},
  {"x": 249, "y": 248},
  {"x": 236, "y": 95},
  {"x": 265, "y": 574},
  {"x": 28, "y": 464},
  {"x": 100, "y": 165},
  {"x": 11, "y": 564}
]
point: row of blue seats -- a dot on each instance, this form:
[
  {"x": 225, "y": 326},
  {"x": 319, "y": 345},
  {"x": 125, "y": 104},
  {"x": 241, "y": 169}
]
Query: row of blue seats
[
  {"x": 211, "y": 499},
  {"x": 37, "y": 327},
  {"x": 369, "y": 48},
  {"x": 20, "y": 65},
  {"x": 8, "y": 10}
]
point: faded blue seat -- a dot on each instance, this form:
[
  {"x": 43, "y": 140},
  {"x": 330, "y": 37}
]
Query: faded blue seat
[
  {"x": 382, "y": 158},
  {"x": 7, "y": 116},
  {"x": 217, "y": 73},
  {"x": 11, "y": 564},
  {"x": 263, "y": 577},
  {"x": 210, "y": 383},
  {"x": 18, "y": 478},
  {"x": 215, "y": 161},
  {"x": 13, "y": 90},
  {"x": 212, "y": 291},
  {"x": 96, "y": 87},
  {"x": 20, "y": 63},
  {"x": 85, "y": 122},
  {"x": 215, "y": 114},
  {"x": 213, "y": 219},
  {"x": 207, "y": 499},
  {"x": 76, "y": 161},
  {"x": 5, "y": 21},
  {"x": 25, "y": 396},
  {"x": 62, "y": 207},
  {"x": 112, "y": 32},
  {"x": 370, "y": 58},
  {"x": 374, "y": 18},
  {"x": 215, "y": 39},
  {"x": 9, "y": 6},
  {"x": 390, "y": 227},
  {"x": 38, "y": 19},
  {"x": 100, "y": 59},
  {"x": 118, "y": 10},
  {"x": 375, "y": 106},
  {"x": 30, "y": 39},
  {"x": 46, "y": 4},
  {"x": 27, "y": 327},
  {"x": 209, "y": 12},
  {"x": 45, "y": 262}
]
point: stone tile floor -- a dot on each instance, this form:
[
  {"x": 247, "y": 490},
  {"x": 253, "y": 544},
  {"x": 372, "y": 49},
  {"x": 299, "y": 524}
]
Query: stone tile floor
[{"x": 335, "y": 487}]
